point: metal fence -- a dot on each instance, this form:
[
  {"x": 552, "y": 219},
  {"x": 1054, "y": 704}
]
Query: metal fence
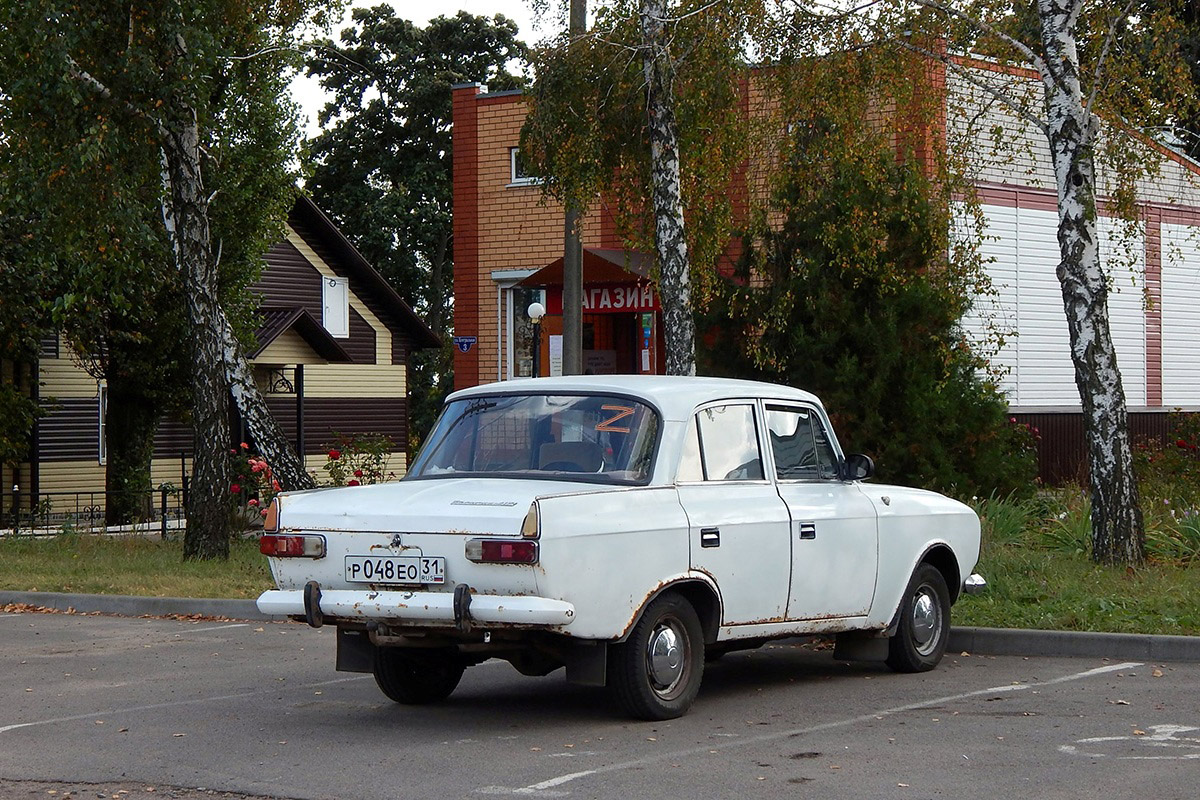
[{"x": 86, "y": 512}]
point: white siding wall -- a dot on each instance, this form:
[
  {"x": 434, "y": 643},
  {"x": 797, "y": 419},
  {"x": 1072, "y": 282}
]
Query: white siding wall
[
  {"x": 1021, "y": 248},
  {"x": 1181, "y": 316},
  {"x": 1124, "y": 255}
]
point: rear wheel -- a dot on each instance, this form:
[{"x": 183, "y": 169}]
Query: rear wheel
[
  {"x": 416, "y": 677},
  {"x": 924, "y": 628},
  {"x": 656, "y": 673}
]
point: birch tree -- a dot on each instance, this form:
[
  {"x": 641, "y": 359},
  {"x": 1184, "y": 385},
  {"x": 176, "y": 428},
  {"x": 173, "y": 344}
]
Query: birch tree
[
  {"x": 193, "y": 92},
  {"x": 1089, "y": 105},
  {"x": 646, "y": 105}
]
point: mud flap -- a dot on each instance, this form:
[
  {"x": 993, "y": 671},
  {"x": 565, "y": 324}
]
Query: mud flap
[
  {"x": 355, "y": 653},
  {"x": 860, "y": 646},
  {"x": 587, "y": 663}
]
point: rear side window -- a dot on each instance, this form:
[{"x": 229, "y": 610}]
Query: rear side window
[
  {"x": 728, "y": 441},
  {"x": 799, "y": 445}
]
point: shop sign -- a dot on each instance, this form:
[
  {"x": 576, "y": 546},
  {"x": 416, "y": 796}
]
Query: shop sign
[{"x": 609, "y": 299}]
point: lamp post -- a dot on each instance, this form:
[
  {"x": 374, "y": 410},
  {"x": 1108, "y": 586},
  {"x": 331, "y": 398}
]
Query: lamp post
[{"x": 536, "y": 311}]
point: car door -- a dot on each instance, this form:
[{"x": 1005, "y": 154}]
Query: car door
[
  {"x": 834, "y": 531},
  {"x": 739, "y": 525}
]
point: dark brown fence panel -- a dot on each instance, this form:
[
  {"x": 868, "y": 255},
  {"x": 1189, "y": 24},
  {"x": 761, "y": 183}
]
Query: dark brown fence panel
[{"x": 1062, "y": 455}]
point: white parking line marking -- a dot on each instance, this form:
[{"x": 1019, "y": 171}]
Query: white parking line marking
[
  {"x": 112, "y": 712},
  {"x": 1163, "y": 736},
  {"x": 214, "y": 628},
  {"x": 536, "y": 788}
]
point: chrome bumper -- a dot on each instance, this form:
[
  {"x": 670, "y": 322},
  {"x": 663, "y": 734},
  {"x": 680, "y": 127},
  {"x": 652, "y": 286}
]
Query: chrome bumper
[
  {"x": 429, "y": 607},
  {"x": 974, "y": 584}
]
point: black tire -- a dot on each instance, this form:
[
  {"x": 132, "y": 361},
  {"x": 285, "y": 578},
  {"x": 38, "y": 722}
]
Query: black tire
[
  {"x": 924, "y": 628},
  {"x": 656, "y": 673},
  {"x": 417, "y": 677}
]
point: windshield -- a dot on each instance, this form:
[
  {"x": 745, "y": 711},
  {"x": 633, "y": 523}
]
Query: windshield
[{"x": 574, "y": 437}]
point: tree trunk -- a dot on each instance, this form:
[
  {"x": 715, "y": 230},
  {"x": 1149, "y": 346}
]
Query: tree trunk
[
  {"x": 269, "y": 439},
  {"x": 1117, "y": 533},
  {"x": 679, "y": 327},
  {"x": 185, "y": 214},
  {"x": 130, "y": 424}
]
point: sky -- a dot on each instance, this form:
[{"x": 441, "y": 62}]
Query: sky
[{"x": 311, "y": 98}]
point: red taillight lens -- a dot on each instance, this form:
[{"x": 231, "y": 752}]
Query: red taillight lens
[
  {"x": 292, "y": 546},
  {"x": 502, "y": 551}
]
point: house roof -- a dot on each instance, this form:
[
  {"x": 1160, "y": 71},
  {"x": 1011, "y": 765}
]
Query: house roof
[
  {"x": 276, "y": 321},
  {"x": 600, "y": 265},
  {"x": 360, "y": 269}
]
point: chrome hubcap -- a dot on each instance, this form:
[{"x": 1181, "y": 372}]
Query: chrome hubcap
[
  {"x": 665, "y": 658},
  {"x": 926, "y": 620}
]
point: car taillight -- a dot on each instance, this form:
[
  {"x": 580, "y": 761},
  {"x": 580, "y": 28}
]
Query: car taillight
[
  {"x": 502, "y": 551},
  {"x": 292, "y": 546},
  {"x": 271, "y": 518}
]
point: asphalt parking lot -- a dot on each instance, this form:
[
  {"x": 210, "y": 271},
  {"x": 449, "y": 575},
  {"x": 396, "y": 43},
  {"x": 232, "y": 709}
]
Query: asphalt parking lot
[{"x": 97, "y": 706}]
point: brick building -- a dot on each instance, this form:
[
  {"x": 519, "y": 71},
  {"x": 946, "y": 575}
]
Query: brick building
[{"x": 509, "y": 243}]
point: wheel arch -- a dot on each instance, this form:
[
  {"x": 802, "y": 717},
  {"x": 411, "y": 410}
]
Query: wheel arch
[
  {"x": 700, "y": 593},
  {"x": 942, "y": 558}
]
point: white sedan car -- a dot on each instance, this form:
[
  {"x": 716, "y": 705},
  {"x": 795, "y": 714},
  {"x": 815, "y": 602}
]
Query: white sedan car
[{"x": 625, "y": 528}]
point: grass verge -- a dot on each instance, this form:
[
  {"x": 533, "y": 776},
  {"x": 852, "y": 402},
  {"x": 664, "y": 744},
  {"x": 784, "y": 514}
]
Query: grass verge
[
  {"x": 1035, "y": 559},
  {"x": 129, "y": 565}
]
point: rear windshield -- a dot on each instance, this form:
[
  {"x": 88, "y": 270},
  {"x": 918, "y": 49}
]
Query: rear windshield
[{"x": 574, "y": 437}]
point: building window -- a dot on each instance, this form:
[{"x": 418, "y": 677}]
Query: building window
[
  {"x": 519, "y": 174},
  {"x": 101, "y": 420},
  {"x": 336, "y": 298}
]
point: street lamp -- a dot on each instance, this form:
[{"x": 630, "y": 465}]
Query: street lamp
[{"x": 536, "y": 311}]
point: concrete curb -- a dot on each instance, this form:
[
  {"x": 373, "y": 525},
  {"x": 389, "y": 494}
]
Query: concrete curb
[
  {"x": 1020, "y": 642},
  {"x": 130, "y": 606},
  {"x": 980, "y": 641}
]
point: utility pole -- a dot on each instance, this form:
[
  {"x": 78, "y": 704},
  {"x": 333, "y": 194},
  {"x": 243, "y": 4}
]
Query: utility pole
[{"x": 572, "y": 290}]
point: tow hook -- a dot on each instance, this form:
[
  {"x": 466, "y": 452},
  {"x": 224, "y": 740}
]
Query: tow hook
[
  {"x": 312, "y": 604},
  {"x": 462, "y": 607}
]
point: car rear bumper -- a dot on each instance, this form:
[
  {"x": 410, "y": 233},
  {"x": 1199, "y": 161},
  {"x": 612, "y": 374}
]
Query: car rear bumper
[{"x": 436, "y": 608}]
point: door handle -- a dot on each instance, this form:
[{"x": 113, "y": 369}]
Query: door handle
[
  {"x": 808, "y": 530},
  {"x": 710, "y": 537}
]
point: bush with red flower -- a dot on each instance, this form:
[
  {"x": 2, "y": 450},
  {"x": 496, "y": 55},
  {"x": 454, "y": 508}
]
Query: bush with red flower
[
  {"x": 358, "y": 459},
  {"x": 254, "y": 484}
]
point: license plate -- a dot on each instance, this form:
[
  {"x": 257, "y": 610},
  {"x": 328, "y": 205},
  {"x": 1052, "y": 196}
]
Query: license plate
[{"x": 395, "y": 569}]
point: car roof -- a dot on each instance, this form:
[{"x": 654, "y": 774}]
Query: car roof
[{"x": 675, "y": 396}]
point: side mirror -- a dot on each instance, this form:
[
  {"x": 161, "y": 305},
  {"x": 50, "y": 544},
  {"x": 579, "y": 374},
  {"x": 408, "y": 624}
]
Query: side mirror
[{"x": 857, "y": 467}]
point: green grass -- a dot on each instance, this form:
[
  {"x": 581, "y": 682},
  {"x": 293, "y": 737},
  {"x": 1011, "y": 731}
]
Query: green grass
[
  {"x": 128, "y": 565},
  {"x": 1035, "y": 559}
]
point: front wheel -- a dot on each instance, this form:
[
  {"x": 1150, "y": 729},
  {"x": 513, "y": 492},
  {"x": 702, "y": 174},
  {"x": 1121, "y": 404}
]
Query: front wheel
[
  {"x": 656, "y": 673},
  {"x": 417, "y": 677},
  {"x": 924, "y": 629}
]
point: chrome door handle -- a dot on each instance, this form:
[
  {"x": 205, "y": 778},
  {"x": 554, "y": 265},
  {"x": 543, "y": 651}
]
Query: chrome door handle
[{"x": 710, "y": 537}]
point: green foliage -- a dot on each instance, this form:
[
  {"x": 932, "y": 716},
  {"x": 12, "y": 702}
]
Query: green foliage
[
  {"x": 381, "y": 166},
  {"x": 90, "y": 93},
  {"x": 849, "y": 295},
  {"x": 24, "y": 318},
  {"x": 359, "y": 459},
  {"x": 255, "y": 485},
  {"x": 1169, "y": 476},
  {"x": 1036, "y": 560},
  {"x": 130, "y": 565},
  {"x": 586, "y": 129}
]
